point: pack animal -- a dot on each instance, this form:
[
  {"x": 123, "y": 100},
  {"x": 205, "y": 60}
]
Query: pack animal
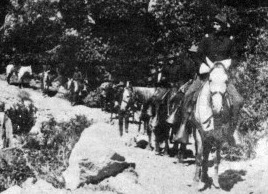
[
  {"x": 158, "y": 125},
  {"x": 132, "y": 95},
  {"x": 23, "y": 72}
]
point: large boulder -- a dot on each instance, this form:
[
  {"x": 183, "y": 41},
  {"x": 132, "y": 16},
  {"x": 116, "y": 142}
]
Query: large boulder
[{"x": 91, "y": 162}]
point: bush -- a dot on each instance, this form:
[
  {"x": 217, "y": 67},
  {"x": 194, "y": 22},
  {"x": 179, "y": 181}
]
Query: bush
[
  {"x": 51, "y": 158},
  {"x": 46, "y": 160},
  {"x": 93, "y": 99},
  {"x": 16, "y": 170},
  {"x": 23, "y": 117},
  {"x": 247, "y": 149}
]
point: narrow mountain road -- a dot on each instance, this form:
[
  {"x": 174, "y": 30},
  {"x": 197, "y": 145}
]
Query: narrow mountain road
[{"x": 155, "y": 174}]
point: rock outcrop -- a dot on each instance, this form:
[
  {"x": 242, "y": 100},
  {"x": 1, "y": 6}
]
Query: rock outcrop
[{"x": 92, "y": 162}]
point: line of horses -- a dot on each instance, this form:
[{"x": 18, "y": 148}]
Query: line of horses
[
  {"x": 210, "y": 120},
  {"x": 48, "y": 82}
]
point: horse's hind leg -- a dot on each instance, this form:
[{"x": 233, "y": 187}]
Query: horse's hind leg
[
  {"x": 8, "y": 78},
  {"x": 149, "y": 133},
  {"x": 204, "y": 175},
  {"x": 216, "y": 168},
  {"x": 166, "y": 146}
]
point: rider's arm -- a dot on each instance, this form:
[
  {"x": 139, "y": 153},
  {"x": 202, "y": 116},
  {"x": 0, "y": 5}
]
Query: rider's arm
[{"x": 202, "y": 50}]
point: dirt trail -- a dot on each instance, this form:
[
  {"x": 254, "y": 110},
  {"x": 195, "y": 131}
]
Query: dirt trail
[{"x": 156, "y": 174}]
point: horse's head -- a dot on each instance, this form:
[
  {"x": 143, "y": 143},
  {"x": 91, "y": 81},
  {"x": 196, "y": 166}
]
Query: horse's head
[
  {"x": 127, "y": 98},
  {"x": 218, "y": 80}
]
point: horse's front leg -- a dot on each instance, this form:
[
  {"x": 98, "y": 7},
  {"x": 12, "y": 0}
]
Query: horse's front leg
[
  {"x": 20, "y": 83},
  {"x": 120, "y": 123},
  {"x": 111, "y": 117},
  {"x": 166, "y": 147},
  {"x": 181, "y": 152},
  {"x": 217, "y": 160},
  {"x": 149, "y": 133},
  {"x": 126, "y": 122},
  {"x": 204, "y": 173},
  {"x": 198, "y": 184}
]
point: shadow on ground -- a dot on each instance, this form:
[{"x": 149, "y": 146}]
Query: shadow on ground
[{"x": 230, "y": 177}]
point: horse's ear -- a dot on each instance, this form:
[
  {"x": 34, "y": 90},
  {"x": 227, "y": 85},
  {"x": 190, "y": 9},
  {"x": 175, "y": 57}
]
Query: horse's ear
[
  {"x": 227, "y": 63},
  {"x": 210, "y": 63},
  {"x": 204, "y": 69}
]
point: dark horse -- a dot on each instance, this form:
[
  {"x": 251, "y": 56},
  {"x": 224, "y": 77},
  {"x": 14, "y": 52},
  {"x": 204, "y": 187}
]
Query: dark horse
[
  {"x": 158, "y": 125},
  {"x": 212, "y": 120},
  {"x": 131, "y": 95}
]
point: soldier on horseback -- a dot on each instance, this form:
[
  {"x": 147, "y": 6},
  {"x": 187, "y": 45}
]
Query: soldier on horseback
[{"x": 216, "y": 46}]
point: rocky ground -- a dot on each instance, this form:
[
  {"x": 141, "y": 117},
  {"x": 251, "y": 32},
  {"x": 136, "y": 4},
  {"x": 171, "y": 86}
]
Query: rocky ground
[{"x": 148, "y": 173}]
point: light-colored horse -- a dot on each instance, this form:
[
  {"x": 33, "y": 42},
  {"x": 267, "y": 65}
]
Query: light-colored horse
[
  {"x": 23, "y": 72},
  {"x": 130, "y": 96},
  {"x": 212, "y": 119}
]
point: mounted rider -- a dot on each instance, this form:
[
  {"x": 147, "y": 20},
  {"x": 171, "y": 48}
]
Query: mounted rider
[{"x": 217, "y": 47}]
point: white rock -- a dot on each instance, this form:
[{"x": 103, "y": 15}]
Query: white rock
[{"x": 13, "y": 190}]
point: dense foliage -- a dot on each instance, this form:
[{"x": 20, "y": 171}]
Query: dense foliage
[{"x": 124, "y": 38}]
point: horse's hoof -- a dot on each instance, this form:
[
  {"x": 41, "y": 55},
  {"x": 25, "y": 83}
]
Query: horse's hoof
[
  {"x": 180, "y": 158},
  {"x": 201, "y": 186},
  {"x": 166, "y": 153},
  {"x": 216, "y": 184},
  {"x": 148, "y": 147}
]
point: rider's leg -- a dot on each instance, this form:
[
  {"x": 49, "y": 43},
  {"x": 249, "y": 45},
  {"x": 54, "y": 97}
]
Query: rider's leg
[{"x": 187, "y": 109}]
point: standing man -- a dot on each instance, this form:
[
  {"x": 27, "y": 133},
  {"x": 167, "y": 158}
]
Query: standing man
[
  {"x": 6, "y": 129},
  {"x": 77, "y": 79},
  {"x": 45, "y": 79}
]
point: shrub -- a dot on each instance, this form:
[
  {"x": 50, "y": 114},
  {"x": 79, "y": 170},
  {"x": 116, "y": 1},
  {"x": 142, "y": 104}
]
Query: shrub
[
  {"x": 246, "y": 150},
  {"x": 16, "y": 170},
  {"x": 52, "y": 157},
  {"x": 93, "y": 99},
  {"x": 23, "y": 117},
  {"x": 46, "y": 160}
]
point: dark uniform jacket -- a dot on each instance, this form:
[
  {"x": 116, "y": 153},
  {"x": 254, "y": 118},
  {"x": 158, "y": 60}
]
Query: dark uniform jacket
[{"x": 216, "y": 48}]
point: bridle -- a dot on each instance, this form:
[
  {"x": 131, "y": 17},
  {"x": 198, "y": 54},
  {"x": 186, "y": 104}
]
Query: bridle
[{"x": 223, "y": 94}]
